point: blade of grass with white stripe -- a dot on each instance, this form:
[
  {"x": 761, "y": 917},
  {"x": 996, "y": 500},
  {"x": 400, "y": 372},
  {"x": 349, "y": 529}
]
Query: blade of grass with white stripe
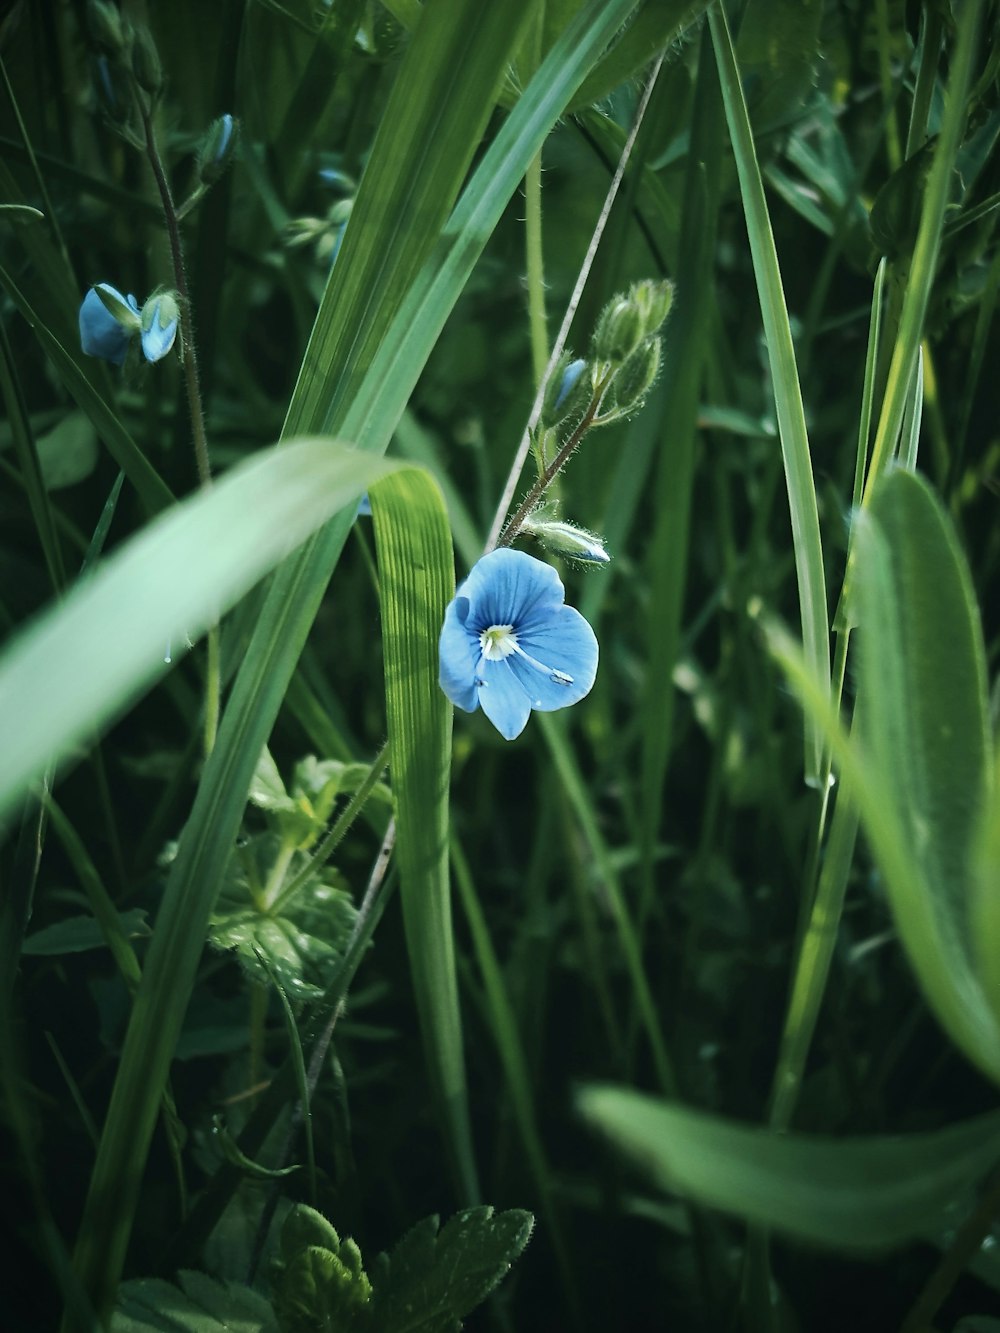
[
  {"x": 851, "y": 1193},
  {"x": 787, "y": 392},
  {"x": 416, "y": 574},
  {"x": 370, "y": 415}
]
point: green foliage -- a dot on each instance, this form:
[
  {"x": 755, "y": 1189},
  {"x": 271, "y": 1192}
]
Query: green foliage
[
  {"x": 432, "y": 1279},
  {"x": 383, "y": 208},
  {"x": 859, "y": 1194},
  {"x": 198, "y": 1305},
  {"x": 300, "y": 935}
]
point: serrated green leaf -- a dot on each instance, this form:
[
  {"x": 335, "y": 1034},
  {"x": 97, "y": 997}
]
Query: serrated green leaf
[
  {"x": 77, "y": 934},
  {"x": 303, "y": 939},
  {"x": 854, "y": 1194},
  {"x": 432, "y": 1279},
  {"x": 200, "y": 1305},
  {"x": 778, "y": 48}
]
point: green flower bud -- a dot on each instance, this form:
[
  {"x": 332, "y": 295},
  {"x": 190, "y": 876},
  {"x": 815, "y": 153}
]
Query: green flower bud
[
  {"x": 568, "y": 391},
  {"x": 340, "y": 213},
  {"x": 146, "y": 62},
  {"x": 218, "y": 148},
  {"x": 566, "y": 539},
  {"x": 630, "y": 386},
  {"x": 654, "y": 300},
  {"x": 619, "y": 331},
  {"x": 105, "y": 24}
]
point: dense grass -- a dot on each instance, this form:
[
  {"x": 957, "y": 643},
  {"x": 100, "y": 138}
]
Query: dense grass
[{"x": 701, "y": 972}]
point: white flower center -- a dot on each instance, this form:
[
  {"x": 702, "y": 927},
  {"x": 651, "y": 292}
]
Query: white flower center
[{"x": 498, "y": 642}]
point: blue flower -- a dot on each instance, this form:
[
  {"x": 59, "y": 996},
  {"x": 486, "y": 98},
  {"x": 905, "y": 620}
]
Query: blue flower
[
  {"x": 510, "y": 644},
  {"x": 101, "y": 334},
  {"x": 160, "y": 317}
]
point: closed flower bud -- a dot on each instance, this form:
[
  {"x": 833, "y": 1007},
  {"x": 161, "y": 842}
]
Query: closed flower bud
[
  {"x": 339, "y": 181},
  {"x": 568, "y": 391},
  {"x": 630, "y": 386},
  {"x": 113, "y": 90},
  {"x": 340, "y": 213},
  {"x": 146, "y": 62},
  {"x": 160, "y": 319},
  {"x": 105, "y": 24},
  {"x": 654, "y": 300},
  {"x": 566, "y": 539},
  {"x": 619, "y": 331},
  {"x": 217, "y": 149}
]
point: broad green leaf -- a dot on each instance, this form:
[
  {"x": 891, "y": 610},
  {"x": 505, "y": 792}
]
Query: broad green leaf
[
  {"x": 77, "y": 934},
  {"x": 432, "y": 1279},
  {"x": 198, "y": 1305},
  {"x": 923, "y": 678},
  {"x": 81, "y": 663},
  {"x": 986, "y": 899},
  {"x": 855, "y": 1194}
]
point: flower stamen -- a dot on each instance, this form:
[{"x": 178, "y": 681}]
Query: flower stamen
[{"x": 498, "y": 642}]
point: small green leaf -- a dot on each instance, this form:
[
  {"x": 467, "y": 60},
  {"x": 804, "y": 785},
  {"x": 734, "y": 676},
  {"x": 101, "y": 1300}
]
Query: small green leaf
[
  {"x": 68, "y": 453},
  {"x": 267, "y": 791},
  {"x": 778, "y": 49},
  {"x": 304, "y": 939},
  {"x": 77, "y": 934},
  {"x": 854, "y": 1194},
  {"x": 433, "y": 1279}
]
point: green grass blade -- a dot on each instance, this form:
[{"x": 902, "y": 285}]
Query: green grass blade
[
  {"x": 416, "y": 583},
  {"x": 855, "y": 1193},
  {"x": 787, "y": 392}
]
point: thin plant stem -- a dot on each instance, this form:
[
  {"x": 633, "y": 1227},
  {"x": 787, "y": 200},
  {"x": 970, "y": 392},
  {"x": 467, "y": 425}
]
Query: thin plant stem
[
  {"x": 192, "y": 385},
  {"x": 524, "y": 448}
]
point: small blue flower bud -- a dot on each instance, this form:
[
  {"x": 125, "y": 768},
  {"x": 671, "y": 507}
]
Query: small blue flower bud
[
  {"x": 339, "y": 181},
  {"x": 568, "y": 391},
  {"x": 160, "y": 319},
  {"x": 108, "y": 321},
  {"x": 113, "y": 90},
  {"x": 217, "y": 149},
  {"x": 566, "y": 539}
]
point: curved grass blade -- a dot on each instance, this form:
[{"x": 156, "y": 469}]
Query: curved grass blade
[{"x": 854, "y": 1194}]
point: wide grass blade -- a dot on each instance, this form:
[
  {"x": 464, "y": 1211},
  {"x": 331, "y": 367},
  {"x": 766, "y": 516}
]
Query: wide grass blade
[
  {"x": 855, "y": 1194},
  {"x": 787, "y": 392},
  {"x": 416, "y": 582}
]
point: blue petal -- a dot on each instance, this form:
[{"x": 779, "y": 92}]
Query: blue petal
[
  {"x": 508, "y": 588},
  {"x": 158, "y": 339},
  {"x": 564, "y": 642},
  {"x": 100, "y": 333},
  {"x": 459, "y": 654},
  {"x": 503, "y": 698}
]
